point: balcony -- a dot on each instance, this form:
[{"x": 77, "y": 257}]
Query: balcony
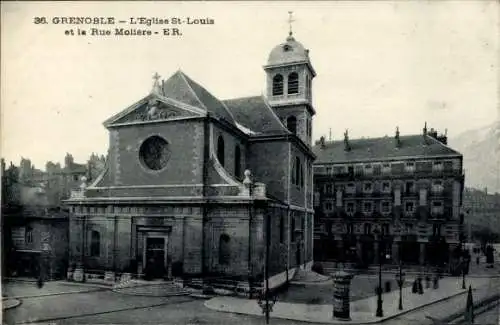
[{"x": 394, "y": 174}]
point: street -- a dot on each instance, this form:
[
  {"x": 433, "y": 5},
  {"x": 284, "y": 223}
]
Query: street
[{"x": 84, "y": 305}]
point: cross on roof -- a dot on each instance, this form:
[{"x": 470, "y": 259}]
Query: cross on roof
[
  {"x": 156, "y": 85},
  {"x": 156, "y": 76},
  {"x": 290, "y": 21}
]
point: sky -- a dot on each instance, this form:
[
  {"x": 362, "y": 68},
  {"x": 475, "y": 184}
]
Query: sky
[{"x": 379, "y": 65}]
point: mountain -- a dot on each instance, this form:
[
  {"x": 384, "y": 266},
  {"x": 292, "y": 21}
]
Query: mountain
[{"x": 481, "y": 151}]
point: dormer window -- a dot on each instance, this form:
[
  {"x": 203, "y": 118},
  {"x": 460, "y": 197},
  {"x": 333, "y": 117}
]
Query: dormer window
[
  {"x": 293, "y": 83},
  {"x": 287, "y": 48}
]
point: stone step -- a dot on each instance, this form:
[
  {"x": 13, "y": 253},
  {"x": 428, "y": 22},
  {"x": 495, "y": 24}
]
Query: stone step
[{"x": 150, "y": 288}]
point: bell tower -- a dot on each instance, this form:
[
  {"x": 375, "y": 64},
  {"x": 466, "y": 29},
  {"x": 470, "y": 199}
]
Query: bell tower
[{"x": 289, "y": 86}]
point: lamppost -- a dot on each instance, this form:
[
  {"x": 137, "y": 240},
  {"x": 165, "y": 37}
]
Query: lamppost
[
  {"x": 264, "y": 302},
  {"x": 400, "y": 279},
  {"x": 463, "y": 260},
  {"x": 380, "y": 312}
]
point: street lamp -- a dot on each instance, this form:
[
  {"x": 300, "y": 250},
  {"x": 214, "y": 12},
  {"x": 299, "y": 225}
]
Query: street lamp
[
  {"x": 380, "y": 312},
  {"x": 400, "y": 279}
]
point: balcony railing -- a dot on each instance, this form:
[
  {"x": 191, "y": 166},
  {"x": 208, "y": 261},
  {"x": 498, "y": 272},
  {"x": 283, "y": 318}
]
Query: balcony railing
[{"x": 393, "y": 174}]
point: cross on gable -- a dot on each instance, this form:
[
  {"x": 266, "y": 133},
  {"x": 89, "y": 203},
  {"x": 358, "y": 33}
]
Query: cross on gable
[{"x": 156, "y": 85}]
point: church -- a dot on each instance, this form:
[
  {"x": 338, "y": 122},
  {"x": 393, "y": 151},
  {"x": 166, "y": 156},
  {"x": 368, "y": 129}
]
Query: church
[{"x": 194, "y": 185}]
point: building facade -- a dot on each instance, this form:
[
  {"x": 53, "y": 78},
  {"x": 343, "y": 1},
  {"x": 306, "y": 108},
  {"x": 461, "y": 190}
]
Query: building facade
[
  {"x": 34, "y": 222},
  {"x": 397, "y": 199},
  {"x": 191, "y": 181},
  {"x": 35, "y": 232}
]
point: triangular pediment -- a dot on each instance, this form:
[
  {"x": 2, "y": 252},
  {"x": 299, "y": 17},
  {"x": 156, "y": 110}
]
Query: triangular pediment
[{"x": 154, "y": 108}]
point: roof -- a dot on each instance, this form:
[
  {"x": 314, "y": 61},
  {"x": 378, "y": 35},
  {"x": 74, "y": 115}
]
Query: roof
[
  {"x": 382, "y": 149},
  {"x": 256, "y": 115},
  {"x": 289, "y": 52},
  {"x": 183, "y": 89},
  {"x": 76, "y": 168}
]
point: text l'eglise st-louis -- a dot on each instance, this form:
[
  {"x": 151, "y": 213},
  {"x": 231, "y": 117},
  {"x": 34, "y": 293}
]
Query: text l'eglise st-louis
[{"x": 173, "y": 20}]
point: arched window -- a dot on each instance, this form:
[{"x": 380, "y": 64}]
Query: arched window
[
  {"x": 278, "y": 85},
  {"x": 220, "y": 150},
  {"x": 291, "y": 124},
  {"x": 237, "y": 162},
  {"x": 224, "y": 250},
  {"x": 293, "y": 83},
  {"x": 95, "y": 243}
]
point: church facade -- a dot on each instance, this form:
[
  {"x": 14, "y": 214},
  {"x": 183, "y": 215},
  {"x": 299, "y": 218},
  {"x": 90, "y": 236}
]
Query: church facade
[{"x": 194, "y": 185}]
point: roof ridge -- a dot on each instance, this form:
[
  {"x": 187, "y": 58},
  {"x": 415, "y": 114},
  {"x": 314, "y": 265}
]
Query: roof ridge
[
  {"x": 190, "y": 83},
  {"x": 273, "y": 113},
  {"x": 443, "y": 144},
  {"x": 241, "y": 98},
  {"x": 190, "y": 88}
]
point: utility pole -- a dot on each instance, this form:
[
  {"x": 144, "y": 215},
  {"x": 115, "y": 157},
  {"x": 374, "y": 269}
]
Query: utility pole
[{"x": 268, "y": 243}]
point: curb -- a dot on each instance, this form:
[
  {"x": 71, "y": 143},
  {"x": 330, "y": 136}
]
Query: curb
[
  {"x": 483, "y": 302},
  {"x": 16, "y": 303},
  {"x": 57, "y": 294},
  {"x": 417, "y": 308},
  {"x": 376, "y": 321}
]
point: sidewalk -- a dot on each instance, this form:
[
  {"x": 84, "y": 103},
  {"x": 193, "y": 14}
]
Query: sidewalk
[{"x": 362, "y": 311}]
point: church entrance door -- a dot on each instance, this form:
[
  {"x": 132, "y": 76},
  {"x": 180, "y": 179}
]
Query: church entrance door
[{"x": 155, "y": 257}]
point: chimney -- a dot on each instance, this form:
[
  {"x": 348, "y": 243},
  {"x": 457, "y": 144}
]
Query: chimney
[
  {"x": 322, "y": 142},
  {"x": 347, "y": 146},
  {"x": 425, "y": 129},
  {"x": 398, "y": 140},
  {"x": 433, "y": 133}
]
